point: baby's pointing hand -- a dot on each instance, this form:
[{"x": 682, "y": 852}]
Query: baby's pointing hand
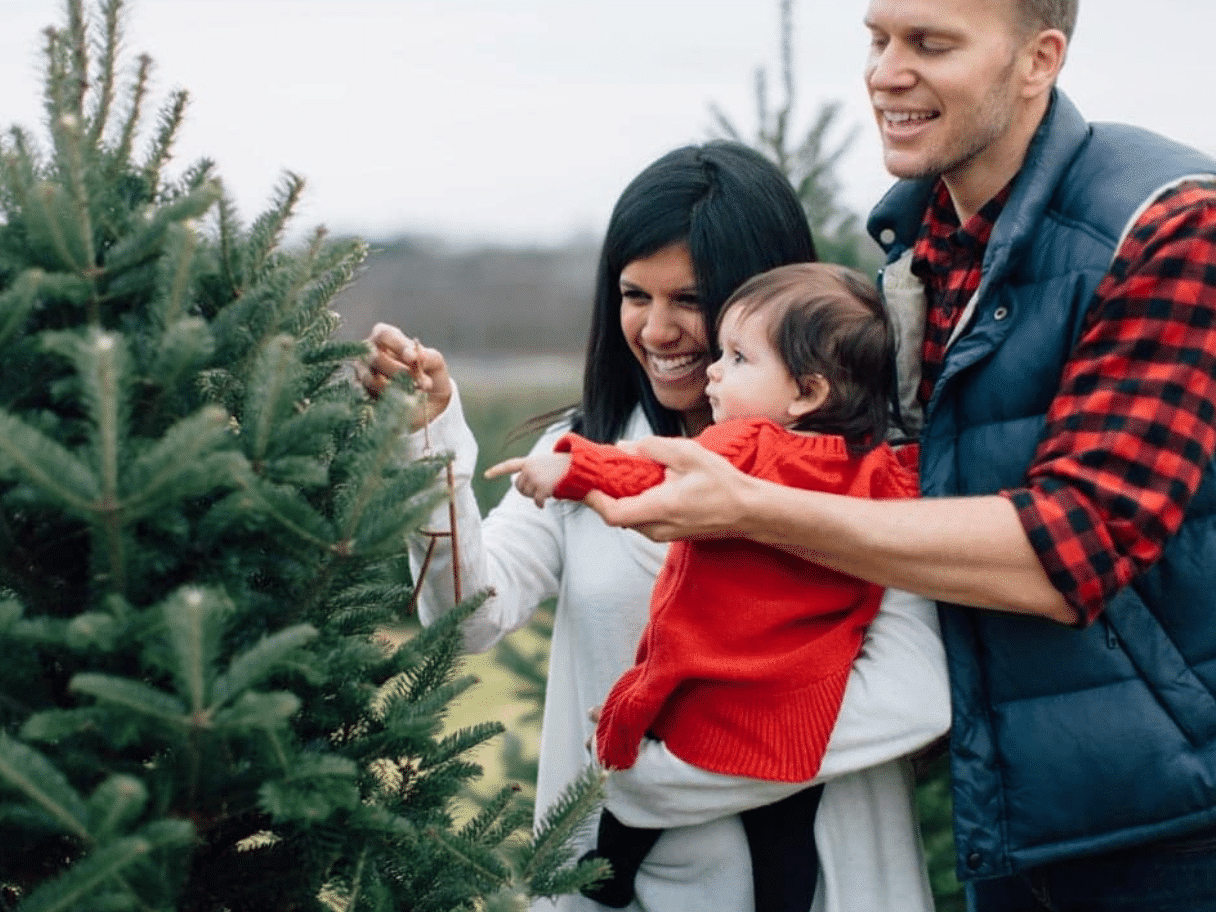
[{"x": 537, "y": 475}]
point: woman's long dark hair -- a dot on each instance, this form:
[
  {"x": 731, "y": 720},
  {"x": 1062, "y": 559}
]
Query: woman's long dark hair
[{"x": 739, "y": 217}]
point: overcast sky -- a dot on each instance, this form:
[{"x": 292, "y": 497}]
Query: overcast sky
[{"x": 520, "y": 121}]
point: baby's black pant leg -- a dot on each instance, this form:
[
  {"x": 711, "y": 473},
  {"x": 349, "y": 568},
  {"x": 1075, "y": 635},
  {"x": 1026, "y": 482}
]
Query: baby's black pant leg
[{"x": 785, "y": 863}]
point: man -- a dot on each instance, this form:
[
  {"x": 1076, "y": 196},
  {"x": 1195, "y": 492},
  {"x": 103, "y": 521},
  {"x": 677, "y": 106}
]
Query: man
[{"x": 1055, "y": 283}]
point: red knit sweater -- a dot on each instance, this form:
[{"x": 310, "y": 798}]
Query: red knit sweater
[{"x": 742, "y": 666}]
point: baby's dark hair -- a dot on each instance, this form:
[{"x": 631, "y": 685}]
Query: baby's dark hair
[{"x": 829, "y": 320}]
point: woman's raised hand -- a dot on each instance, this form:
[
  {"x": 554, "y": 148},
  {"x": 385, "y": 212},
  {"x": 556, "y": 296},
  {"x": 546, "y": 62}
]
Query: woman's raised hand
[{"x": 390, "y": 351}]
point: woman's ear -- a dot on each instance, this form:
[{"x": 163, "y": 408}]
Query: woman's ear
[{"x": 815, "y": 389}]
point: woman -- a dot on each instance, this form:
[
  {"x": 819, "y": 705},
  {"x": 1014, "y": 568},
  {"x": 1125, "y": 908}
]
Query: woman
[{"x": 685, "y": 233}]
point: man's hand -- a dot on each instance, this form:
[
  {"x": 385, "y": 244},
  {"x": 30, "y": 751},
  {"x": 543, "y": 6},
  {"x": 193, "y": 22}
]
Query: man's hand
[
  {"x": 703, "y": 495},
  {"x": 538, "y": 474},
  {"x": 390, "y": 351}
]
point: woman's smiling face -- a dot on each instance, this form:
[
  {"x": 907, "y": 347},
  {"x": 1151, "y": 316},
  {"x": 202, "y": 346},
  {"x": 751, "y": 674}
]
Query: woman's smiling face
[{"x": 665, "y": 329}]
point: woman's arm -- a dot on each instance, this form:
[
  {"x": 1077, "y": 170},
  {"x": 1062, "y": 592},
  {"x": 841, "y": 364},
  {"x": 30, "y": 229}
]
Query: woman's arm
[
  {"x": 896, "y": 702},
  {"x": 966, "y": 550},
  {"x": 517, "y": 550}
]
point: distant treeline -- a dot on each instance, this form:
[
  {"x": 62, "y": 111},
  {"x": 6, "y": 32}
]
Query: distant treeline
[{"x": 489, "y": 300}]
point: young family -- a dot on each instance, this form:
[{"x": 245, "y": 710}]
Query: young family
[{"x": 1048, "y": 330}]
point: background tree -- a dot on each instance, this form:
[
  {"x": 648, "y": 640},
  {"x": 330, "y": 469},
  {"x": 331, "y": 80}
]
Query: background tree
[
  {"x": 810, "y": 162},
  {"x": 202, "y": 527}
]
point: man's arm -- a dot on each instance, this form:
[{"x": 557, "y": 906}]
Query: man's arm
[{"x": 966, "y": 550}]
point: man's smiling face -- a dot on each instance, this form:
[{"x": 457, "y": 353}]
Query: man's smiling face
[{"x": 942, "y": 79}]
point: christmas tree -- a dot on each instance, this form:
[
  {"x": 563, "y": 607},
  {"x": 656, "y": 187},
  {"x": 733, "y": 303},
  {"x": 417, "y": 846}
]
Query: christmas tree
[{"x": 202, "y": 527}]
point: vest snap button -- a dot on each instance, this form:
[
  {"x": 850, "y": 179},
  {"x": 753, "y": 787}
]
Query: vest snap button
[
  {"x": 974, "y": 861},
  {"x": 1000, "y": 313},
  {"x": 887, "y": 236}
]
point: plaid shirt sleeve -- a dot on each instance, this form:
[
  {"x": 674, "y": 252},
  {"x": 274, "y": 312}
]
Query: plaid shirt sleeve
[{"x": 1134, "y": 423}]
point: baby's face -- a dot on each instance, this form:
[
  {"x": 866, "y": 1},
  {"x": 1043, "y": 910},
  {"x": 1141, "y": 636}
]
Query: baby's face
[{"x": 750, "y": 379}]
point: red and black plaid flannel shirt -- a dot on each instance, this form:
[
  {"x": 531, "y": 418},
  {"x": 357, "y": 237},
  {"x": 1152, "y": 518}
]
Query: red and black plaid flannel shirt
[{"x": 1134, "y": 421}]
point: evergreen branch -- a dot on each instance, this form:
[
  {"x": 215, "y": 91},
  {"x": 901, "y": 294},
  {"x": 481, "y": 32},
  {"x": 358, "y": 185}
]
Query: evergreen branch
[
  {"x": 44, "y": 463},
  {"x": 78, "y": 57},
  {"x": 459, "y": 742},
  {"x": 497, "y": 818},
  {"x": 247, "y": 325},
  {"x": 269, "y": 396},
  {"x": 138, "y": 92},
  {"x": 307, "y": 432},
  {"x": 50, "y": 210},
  {"x": 276, "y": 747},
  {"x": 136, "y": 696},
  {"x": 411, "y": 711},
  {"x": 568, "y": 879},
  {"x": 17, "y": 302},
  {"x": 479, "y": 862},
  {"x": 90, "y": 876},
  {"x": 119, "y": 800},
  {"x": 182, "y": 346},
  {"x": 229, "y": 224},
  {"x": 251, "y": 667},
  {"x": 267, "y": 229},
  {"x": 102, "y": 364},
  {"x": 20, "y": 170},
  {"x": 107, "y": 64},
  {"x": 435, "y": 667},
  {"x": 787, "y": 51},
  {"x": 169, "y": 123},
  {"x": 146, "y": 242},
  {"x": 286, "y": 508},
  {"x": 199, "y": 173},
  {"x": 763, "y": 130},
  {"x": 253, "y": 710},
  {"x": 335, "y": 353},
  {"x": 330, "y": 269},
  {"x": 552, "y": 845},
  {"x": 389, "y": 519},
  {"x": 192, "y": 617},
  {"x": 303, "y": 472},
  {"x": 725, "y": 128},
  {"x": 55, "y": 94},
  {"x": 314, "y": 790},
  {"x": 176, "y": 273},
  {"x": 33, "y": 776},
  {"x": 384, "y": 452},
  {"x": 68, "y": 131},
  {"x": 186, "y": 461}
]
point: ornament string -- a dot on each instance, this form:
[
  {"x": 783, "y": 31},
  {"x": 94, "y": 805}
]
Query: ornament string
[{"x": 450, "y": 478}]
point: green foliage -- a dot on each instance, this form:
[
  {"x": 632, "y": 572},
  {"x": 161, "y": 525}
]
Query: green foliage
[
  {"x": 810, "y": 162},
  {"x": 202, "y": 534}
]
